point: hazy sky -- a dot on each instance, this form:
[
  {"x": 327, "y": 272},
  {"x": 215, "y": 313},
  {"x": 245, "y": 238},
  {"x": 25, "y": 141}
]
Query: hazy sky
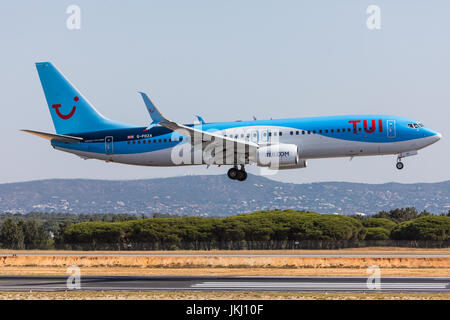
[{"x": 227, "y": 60}]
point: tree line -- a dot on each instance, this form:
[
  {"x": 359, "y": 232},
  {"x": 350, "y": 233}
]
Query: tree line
[{"x": 273, "y": 229}]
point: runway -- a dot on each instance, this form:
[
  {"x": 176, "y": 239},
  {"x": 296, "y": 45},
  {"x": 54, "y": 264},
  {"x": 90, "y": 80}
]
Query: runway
[{"x": 161, "y": 283}]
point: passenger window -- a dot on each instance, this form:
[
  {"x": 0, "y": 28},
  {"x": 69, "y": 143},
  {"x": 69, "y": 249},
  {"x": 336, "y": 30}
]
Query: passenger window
[
  {"x": 281, "y": 133},
  {"x": 296, "y": 132},
  {"x": 128, "y": 142},
  {"x": 292, "y": 133},
  {"x": 332, "y": 130},
  {"x": 134, "y": 142},
  {"x": 143, "y": 141},
  {"x": 320, "y": 131},
  {"x": 159, "y": 140},
  {"x": 303, "y": 132},
  {"x": 326, "y": 130},
  {"x": 309, "y": 132},
  {"x": 338, "y": 130},
  {"x": 181, "y": 138}
]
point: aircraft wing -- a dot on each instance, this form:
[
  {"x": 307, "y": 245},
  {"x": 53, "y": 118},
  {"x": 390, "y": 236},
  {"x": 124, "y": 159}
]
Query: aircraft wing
[
  {"x": 199, "y": 137},
  {"x": 52, "y": 136},
  {"x": 226, "y": 150},
  {"x": 206, "y": 136}
]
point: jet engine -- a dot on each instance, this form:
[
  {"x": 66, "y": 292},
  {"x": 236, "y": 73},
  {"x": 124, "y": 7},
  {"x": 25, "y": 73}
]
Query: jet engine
[{"x": 279, "y": 156}]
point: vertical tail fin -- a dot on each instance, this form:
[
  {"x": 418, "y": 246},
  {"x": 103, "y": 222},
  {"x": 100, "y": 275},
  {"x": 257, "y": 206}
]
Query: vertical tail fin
[{"x": 71, "y": 112}]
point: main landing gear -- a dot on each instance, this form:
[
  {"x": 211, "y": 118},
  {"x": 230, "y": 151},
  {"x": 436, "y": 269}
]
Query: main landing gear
[{"x": 236, "y": 174}]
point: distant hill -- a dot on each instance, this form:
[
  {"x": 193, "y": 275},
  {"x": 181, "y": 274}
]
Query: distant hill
[{"x": 216, "y": 195}]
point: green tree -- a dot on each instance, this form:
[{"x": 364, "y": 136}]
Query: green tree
[
  {"x": 379, "y": 222},
  {"x": 377, "y": 233},
  {"x": 11, "y": 235},
  {"x": 398, "y": 215},
  {"x": 435, "y": 228},
  {"x": 35, "y": 237}
]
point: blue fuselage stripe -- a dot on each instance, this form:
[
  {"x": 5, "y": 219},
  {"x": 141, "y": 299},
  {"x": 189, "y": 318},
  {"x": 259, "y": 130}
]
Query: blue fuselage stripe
[{"x": 359, "y": 128}]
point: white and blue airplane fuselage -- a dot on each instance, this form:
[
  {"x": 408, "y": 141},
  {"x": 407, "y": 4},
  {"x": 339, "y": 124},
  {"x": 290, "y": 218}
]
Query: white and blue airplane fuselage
[{"x": 276, "y": 144}]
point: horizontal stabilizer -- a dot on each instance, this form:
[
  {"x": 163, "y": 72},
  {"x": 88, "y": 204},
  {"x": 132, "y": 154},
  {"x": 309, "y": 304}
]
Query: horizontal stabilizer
[{"x": 56, "y": 137}]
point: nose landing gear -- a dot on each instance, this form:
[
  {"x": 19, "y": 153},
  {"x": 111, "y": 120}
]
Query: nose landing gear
[
  {"x": 402, "y": 155},
  {"x": 236, "y": 174}
]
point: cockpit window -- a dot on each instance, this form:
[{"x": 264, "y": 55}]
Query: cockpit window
[{"x": 415, "y": 125}]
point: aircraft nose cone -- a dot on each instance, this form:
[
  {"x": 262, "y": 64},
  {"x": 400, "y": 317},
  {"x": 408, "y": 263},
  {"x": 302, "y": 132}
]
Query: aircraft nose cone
[{"x": 435, "y": 136}]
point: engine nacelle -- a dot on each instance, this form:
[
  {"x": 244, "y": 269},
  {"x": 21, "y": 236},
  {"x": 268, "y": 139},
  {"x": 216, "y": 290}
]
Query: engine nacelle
[{"x": 279, "y": 156}]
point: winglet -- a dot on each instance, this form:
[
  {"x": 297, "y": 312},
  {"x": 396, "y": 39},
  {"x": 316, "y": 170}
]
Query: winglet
[
  {"x": 154, "y": 113},
  {"x": 199, "y": 118}
]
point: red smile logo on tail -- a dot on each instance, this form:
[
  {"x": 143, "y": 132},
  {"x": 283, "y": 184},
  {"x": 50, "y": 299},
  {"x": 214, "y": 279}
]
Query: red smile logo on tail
[{"x": 65, "y": 116}]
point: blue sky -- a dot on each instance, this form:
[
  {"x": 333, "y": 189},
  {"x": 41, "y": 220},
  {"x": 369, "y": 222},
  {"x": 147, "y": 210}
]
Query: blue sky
[{"x": 227, "y": 60}]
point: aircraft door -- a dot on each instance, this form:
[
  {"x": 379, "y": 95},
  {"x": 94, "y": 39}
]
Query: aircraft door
[
  {"x": 264, "y": 136},
  {"x": 109, "y": 145},
  {"x": 254, "y": 136},
  {"x": 391, "y": 132}
]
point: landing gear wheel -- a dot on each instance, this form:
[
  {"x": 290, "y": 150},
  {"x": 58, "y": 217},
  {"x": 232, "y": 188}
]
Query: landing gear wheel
[
  {"x": 233, "y": 173},
  {"x": 399, "y": 165},
  {"x": 242, "y": 175}
]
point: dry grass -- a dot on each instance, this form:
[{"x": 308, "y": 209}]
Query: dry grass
[
  {"x": 188, "y": 295},
  {"x": 232, "y": 265},
  {"x": 222, "y": 266},
  {"x": 367, "y": 250},
  {"x": 221, "y": 262}
]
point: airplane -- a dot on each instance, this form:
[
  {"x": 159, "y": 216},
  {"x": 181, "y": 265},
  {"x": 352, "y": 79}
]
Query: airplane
[{"x": 277, "y": 144}]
